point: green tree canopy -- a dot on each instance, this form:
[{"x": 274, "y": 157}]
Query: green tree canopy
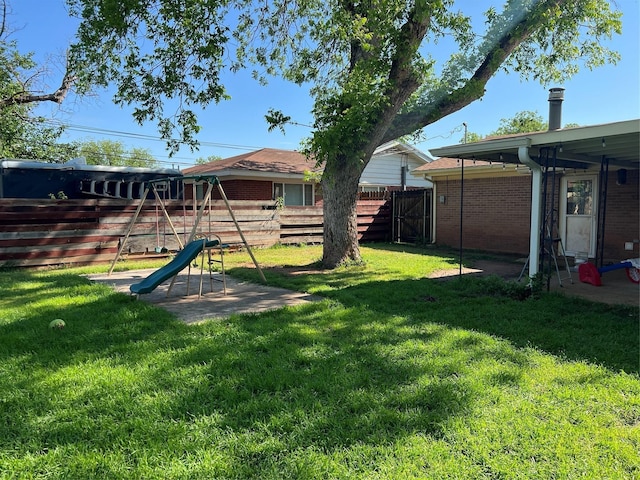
[
  {"x": 114, "y": 153},
  {"x": 525, "y": 121},
  {"x": 470, "y": 137},
  {"x": 23, "y": 135},
  {"x": 30, "y": 139},
  {"x": 209, "y": 159},
  {"x": 375, "y": 68},
  {"x": 522, "y": 122}
]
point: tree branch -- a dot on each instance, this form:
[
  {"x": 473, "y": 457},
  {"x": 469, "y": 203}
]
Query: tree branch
[
  {"x": 25, "y": 97},
  {"x": 474, "y": 87},
  {"x": 4, "y": 18},
  {"x": 402, "y": 79}
]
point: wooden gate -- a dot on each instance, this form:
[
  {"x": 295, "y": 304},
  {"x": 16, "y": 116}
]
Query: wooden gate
[{"x": 412, "y": 216}]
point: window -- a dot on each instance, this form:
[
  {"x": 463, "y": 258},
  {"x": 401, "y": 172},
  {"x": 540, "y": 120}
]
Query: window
[
  {"x": 579, "y": 197},
  {"x": 294, "y": 193}
]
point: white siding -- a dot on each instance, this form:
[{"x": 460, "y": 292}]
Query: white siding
[{"x": 385, "y": 169}]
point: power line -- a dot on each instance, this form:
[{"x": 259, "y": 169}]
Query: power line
[
  {"x": 125, "y": 156},
  {"x": 456, "y": 129},
  {"x": 173, "y": 161},
  {"x": 141, "y": 136}
]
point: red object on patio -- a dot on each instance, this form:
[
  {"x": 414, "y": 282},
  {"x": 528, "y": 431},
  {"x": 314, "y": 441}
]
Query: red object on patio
[{"x": 588, "y": 273}]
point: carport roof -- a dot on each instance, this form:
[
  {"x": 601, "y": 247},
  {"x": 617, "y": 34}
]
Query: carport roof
[{"x": 578, "y": 147}]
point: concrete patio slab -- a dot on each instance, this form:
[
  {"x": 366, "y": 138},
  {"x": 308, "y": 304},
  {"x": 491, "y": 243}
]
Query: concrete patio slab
[
  {"x": 241, "y": 297},
  {"x": 616, "y": 288}
]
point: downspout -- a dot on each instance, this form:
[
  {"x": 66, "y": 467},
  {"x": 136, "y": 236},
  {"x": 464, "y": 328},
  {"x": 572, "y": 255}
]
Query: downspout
[
  {"x": 536, "y": 210},
  {"x": 1, "y": 178},
  {"x": 434, "y": 208},
  {"x": 556, "y": 97},
  {"x": 461, "y": 211}
]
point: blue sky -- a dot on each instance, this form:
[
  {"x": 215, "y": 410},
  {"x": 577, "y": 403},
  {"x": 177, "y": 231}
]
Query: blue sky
[{"x": 607, "y": 94}]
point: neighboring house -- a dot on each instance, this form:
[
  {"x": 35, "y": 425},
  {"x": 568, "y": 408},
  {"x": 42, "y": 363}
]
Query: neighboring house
[
  {"x": 390, "y": 167},
  {"x": 264, "y": 174},
  {"x": 75, "y": 180},
  {"x": 577, "y": 184},
  {"x": 269, "y": 174}
]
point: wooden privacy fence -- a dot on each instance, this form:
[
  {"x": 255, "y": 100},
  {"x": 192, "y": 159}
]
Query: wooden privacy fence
[
  {"x": 55, "y": 232},
  {"x": 412, "y": 220},
  {"x": 305, "y": 224}
]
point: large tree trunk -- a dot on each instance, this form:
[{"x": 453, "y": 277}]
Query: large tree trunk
[{"x": 340, "y": 199}]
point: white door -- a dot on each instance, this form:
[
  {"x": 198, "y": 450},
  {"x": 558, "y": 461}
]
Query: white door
[{"x": 578, "y": 215}]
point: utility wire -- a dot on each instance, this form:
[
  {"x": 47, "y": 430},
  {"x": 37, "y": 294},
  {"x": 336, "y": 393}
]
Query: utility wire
[
  {"x": 142, "y": 136},
  {"x": 173, "y": 161},
  {"x": 127, "y": 156}
]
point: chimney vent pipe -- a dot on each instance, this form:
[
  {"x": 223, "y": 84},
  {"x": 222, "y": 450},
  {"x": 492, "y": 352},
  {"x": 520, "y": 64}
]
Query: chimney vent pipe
[{"x": 556, "y": 96}]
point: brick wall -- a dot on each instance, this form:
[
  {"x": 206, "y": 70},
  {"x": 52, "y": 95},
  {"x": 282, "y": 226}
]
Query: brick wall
[
  {"x": 496, "y": 215},
  {"x": 254, "y": 190},
  {"x": 622, "y": 222},
  {"x": 246, "y": 190}
]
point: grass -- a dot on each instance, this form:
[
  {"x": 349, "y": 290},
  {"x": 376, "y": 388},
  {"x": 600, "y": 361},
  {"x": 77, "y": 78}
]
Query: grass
[{"x": 391, "y": 376}]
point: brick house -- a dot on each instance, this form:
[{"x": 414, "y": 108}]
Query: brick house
[
  {"x": 264, "y": 174},
  {"x": 581, "y": 184},
  {"x": 269, "y": 174}
]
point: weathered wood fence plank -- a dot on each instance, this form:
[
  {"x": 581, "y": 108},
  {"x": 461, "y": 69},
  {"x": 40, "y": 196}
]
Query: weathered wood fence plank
[{"x": 53, "y": 232}]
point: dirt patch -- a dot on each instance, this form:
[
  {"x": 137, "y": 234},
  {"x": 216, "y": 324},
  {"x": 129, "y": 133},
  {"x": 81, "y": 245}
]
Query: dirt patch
[{"x": 483, "y": 268}]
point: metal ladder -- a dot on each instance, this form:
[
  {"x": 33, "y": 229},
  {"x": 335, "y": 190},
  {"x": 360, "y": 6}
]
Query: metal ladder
[{"x": 550, "y": 249}]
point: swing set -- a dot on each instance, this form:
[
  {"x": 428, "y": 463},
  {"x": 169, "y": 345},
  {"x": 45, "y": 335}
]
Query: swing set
[{"x": 195, "y": 243}]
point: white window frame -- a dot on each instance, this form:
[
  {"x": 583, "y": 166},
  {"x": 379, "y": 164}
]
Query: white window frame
[{"x": 304, "y": 196}]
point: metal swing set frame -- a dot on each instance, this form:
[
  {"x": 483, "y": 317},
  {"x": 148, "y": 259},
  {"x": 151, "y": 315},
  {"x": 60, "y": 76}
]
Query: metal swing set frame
[{"x": 211, "y": 181}]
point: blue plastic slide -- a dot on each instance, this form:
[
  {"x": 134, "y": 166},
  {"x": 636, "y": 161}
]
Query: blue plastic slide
[{"x": 181, "y": 260}]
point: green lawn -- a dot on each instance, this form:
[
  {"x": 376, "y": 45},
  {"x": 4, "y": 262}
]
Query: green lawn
[{"x": 392, "y": 376}]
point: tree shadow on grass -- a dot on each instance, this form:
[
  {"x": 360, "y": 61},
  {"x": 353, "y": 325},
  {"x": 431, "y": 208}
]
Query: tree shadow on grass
[
  {"x": 97, "y": 320},
  {"x": 322, "y": 376},
  {"x": 379, "y": 364},
  {"x": 569, "y": 327},
  {"x": 572, "y": 328},
  {"x": 317, "y": 375}
]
